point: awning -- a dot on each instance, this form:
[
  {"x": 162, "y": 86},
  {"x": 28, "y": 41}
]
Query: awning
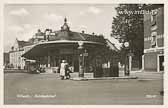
[{"x": 42, "y": 49}]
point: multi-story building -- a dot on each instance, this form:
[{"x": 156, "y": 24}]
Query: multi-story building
[
  {"x": 153, "y": 58},
  {"x": 19, "y": 48},
  {"x": 6, "y": 59}
]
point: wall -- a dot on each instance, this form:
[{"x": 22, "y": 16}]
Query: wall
[
  {"x": 150, "y": 53},
  {"x": 159, "y": 29},
  {"x": 150, "y": 61}
]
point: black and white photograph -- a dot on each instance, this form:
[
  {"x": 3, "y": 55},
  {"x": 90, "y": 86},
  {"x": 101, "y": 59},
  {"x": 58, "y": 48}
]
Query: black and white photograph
[{"x": 83, "y": 54}]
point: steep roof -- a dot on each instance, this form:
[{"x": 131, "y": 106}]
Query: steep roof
[
  {"x": 75, "y": 36},
  {"x": 23, "y": 43},
  {"x": 111, "y": 45}
]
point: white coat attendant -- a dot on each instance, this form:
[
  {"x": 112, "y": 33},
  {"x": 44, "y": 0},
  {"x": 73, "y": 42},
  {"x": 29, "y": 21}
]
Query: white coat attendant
[{"x": 63, "y": 69}]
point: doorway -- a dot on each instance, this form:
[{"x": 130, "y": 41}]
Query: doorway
[{"x": 76, "y": 64}]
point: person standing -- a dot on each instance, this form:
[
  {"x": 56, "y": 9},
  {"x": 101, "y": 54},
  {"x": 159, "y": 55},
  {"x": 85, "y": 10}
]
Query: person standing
[
  {"x": 67, "y": 71},
  {"x": 63, "y": 69}
]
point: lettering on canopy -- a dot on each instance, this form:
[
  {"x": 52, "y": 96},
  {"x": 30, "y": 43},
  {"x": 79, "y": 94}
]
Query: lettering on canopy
[{"x": 66, "y": 51}]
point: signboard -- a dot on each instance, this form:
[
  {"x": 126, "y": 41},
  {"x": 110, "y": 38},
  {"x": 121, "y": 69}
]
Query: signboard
[
  {"x": 66, "y": 51},
  {"x": 151, "y": 50},
  {"x": 40, "y": 37},
  {"x": 85, "y": 54}
]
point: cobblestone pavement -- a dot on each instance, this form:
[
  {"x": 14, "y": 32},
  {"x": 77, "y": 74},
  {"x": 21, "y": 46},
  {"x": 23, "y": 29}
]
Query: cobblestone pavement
[{"x": 23, "y": 88}]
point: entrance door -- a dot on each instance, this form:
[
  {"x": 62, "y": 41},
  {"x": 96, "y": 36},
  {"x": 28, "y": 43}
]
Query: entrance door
[
  {"x": 161, "y": 61},
  {"x": 76, "y": 65}
]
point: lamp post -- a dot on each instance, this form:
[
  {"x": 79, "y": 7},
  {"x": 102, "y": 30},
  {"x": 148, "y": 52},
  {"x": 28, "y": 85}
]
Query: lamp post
[
  {"x": 81, "y": 59},
  {"x": 126, "y": 68},
  {"x": 128, "y": 58}
]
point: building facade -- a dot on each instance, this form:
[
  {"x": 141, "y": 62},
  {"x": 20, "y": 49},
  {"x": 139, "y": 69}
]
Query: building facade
[
  {"x": 6, "y": 60},
  {"x": 153, "y": 58},
  {"x": 17, "y": 50}
]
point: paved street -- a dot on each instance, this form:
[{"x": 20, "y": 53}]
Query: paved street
[{"x": 22, "y": 88}]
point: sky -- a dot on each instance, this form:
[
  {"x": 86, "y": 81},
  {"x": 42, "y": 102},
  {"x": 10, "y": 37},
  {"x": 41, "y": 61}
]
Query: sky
[{"x": 22, "y": 21}]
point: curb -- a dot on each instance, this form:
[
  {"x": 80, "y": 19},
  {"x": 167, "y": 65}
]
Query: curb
[
  {"x": 102, "y": 78},
  {"x": 79, "y": 79}
]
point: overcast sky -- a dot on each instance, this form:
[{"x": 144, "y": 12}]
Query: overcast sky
[{"x": 23, "y": 20}]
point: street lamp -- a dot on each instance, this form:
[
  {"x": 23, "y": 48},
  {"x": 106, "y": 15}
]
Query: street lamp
[
  {"x": 81, "y": 59},
  {"x": 127, "y": 62},
  {"x": 126, "y": 44}
]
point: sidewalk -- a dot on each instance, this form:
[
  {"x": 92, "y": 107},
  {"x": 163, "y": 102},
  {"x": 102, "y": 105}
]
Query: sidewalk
[
  {"x": 140, "y": 75},
  {"x": 147, "y": 74},
  {"x": 104, "y": 78},
  {"x": 89, "y": 76},
  {"x": 14, "y": 71}
]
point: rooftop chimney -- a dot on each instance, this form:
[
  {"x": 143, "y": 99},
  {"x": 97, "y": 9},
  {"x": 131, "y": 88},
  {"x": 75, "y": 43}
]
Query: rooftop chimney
[
  {"x": 39, "y": 30},
  {"x": 83, "y": 31}
]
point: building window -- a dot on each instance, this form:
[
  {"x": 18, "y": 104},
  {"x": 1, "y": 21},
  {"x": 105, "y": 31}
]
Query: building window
[
  {"x": 153, "y": 19},
  {"x": 153, "y": 39}
]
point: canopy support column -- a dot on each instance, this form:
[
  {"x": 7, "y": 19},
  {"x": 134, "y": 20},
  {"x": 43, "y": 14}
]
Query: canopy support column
[{"x": 48, "y": 60}]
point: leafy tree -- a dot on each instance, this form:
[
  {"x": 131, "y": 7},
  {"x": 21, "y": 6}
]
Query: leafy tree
[{"x": 127, "y": 26}]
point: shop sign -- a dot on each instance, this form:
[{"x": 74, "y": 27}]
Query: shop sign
[{"x": 66, "y": 51}]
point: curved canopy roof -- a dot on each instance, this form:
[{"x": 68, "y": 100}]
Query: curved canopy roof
[{"x": 65, "y": 38}]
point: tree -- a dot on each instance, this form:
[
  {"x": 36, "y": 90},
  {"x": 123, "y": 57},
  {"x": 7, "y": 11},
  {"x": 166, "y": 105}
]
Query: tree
[{"x": 128, "y": 26}]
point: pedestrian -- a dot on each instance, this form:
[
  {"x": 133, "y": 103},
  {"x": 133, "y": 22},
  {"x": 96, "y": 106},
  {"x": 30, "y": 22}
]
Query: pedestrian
[
  {"x": 63, "y": 69},
  {"x": 67, "y": 71}
]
